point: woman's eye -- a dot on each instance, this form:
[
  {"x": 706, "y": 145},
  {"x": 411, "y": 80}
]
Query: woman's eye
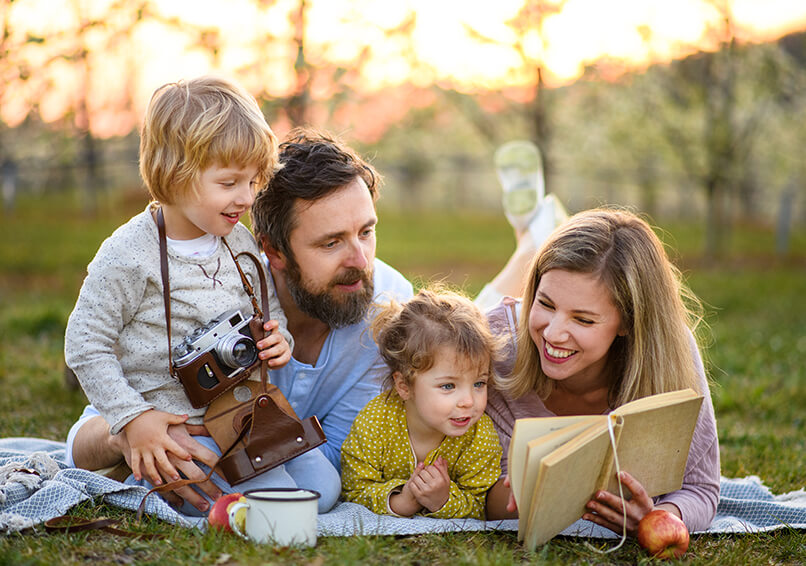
[
  {"x": 545, "y": 304},
  {"x": 585, "y": 321}
]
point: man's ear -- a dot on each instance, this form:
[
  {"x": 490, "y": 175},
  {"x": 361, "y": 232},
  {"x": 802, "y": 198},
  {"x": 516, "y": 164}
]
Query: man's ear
[
  {"x": 401, "y": 386},
  {"x": 276, "y": 258}
]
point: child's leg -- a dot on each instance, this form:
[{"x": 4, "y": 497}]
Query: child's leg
[
  {"x": 314, "y": 471},
  {"x": 89, "y": 413}
]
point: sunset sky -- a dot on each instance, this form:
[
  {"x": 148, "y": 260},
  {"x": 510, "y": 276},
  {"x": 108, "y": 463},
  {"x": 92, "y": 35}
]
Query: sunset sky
[{"x": 584, "y": 31}]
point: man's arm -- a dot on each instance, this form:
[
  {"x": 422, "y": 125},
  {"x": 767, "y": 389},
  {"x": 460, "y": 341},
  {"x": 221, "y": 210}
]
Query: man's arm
[{"x": 94, "y": 448}]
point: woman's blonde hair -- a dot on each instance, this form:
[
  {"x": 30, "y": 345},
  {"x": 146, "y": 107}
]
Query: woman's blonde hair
[
  {"x": 409, "y": 335},
  {"x": 191, "y": 125},
  {"x": 657, "y": 310}
]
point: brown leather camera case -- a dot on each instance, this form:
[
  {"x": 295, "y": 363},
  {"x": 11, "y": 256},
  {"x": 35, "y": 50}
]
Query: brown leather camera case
[{"x": 263, "y": 428}]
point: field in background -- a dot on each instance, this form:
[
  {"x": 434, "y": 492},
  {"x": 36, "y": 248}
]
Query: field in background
[{"x": 756, "y": 313}]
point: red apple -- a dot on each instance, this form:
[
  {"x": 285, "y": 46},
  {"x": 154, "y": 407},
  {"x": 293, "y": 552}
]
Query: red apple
[
  {"x": 218, "y": 516},
  {"x": 663, "y": 534}
]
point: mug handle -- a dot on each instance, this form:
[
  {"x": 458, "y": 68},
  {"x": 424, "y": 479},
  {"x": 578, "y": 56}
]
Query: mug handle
[{"x": 232, "y": 522}]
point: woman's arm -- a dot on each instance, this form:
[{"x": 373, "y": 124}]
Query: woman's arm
[
  {"x": 696, "y": 501},
  {"x": 698, "y": 497}
]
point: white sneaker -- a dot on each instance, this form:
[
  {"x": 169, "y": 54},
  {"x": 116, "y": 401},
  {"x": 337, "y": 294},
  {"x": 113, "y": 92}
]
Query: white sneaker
[
  {"x": 520, "y": 172},
  {"x": 549, "y": 216}
]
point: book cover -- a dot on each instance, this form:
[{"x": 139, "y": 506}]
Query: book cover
[{"x": 557, "y": 465}]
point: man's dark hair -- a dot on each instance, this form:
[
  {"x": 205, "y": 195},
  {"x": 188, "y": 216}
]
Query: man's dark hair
[{"x": 313, "y": 165}]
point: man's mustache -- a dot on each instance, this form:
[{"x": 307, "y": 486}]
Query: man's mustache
[{"x": 350, "y": 276}]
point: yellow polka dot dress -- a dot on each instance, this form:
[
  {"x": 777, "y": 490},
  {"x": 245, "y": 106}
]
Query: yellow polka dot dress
[{"x": 377, "y": 459}]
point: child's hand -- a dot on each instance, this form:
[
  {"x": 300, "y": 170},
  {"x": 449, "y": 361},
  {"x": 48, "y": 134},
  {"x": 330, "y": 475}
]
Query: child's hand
[
  {"x": 404, "y": 503},
  {"x": 149, "y": 445},
  {"x": 274, "y": 347},
  {"x": 431, "y": 485}
]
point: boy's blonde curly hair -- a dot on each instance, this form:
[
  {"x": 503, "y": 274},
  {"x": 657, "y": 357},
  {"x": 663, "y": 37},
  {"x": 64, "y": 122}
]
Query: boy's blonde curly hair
[{"x": 191, "y": 125}]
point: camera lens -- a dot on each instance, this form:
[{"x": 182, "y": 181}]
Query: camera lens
[{"x": 237, "y": 351}]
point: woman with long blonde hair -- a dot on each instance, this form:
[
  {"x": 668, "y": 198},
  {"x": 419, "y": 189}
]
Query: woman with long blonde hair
[{"x": 605, "y": 320}]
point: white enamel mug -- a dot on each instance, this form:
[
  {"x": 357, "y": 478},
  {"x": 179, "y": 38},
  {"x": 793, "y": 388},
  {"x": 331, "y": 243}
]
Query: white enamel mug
[{"x": 279, "y": 516}]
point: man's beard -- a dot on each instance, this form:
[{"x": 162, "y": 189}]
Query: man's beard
[{"x": 336, "y": 310}]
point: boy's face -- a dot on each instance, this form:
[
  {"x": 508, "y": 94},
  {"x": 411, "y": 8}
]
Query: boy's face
[
  {"x": 447, "y": 399},
  {"x": 333, "y": 246},
  {"x": 222, "y": 196}
]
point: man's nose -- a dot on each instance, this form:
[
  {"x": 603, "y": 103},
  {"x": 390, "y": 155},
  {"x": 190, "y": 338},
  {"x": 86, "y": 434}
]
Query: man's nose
[{"x": 357, "y": 256}]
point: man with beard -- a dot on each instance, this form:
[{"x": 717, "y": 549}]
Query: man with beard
[{"x": 316, "y": 224}]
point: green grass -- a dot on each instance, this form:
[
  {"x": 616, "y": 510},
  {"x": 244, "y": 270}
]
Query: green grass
[{"x": 756, "y": 312}]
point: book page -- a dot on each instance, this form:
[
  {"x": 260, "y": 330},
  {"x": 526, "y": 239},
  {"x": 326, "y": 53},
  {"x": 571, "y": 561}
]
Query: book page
[
  {"x": 654, "y": 442},
  {"x": 538, "y": 448},
  {"x": 565, "y": 483},
  {"x": 524, "y": 431},
  {"x": 661, "y": 399}
]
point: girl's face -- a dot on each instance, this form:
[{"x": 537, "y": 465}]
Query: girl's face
[
  {"x": 573, "y": 322},
  {"x": 223, "y": 195},
  {"x": 447, "y": 399}
]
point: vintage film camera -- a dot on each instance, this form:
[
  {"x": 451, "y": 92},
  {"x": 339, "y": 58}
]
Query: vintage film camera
[{"x": 217, "y": 356}]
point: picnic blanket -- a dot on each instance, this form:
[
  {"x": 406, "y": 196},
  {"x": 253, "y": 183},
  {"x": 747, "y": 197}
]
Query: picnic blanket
[{"x": 36, "y": 485}]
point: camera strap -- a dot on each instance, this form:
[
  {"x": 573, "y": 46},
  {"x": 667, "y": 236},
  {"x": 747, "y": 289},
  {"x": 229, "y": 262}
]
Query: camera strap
[
  {"x": 271, "y": 432},
  {"x": 166, "y": 287},
  {"x": 264, "y": 313},
  {"x": 247, "y": 286}
]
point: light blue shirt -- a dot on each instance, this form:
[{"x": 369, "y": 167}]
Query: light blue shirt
[{"x": 348, "y": 373}]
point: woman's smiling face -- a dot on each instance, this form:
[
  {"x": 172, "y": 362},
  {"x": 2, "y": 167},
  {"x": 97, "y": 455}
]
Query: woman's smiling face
[{"x": 573, "y": 322}]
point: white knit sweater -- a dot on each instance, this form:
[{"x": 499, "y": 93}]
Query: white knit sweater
[{"x": 116, "y": 339}]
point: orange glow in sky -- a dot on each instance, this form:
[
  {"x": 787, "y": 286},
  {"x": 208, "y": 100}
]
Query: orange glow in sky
[{"x": 338, "y": 30}]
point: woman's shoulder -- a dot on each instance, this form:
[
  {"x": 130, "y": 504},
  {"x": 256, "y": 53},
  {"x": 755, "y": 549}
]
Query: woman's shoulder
[
  {"x": 504, "y": 409},
  {"x": 503, "y": 317}
]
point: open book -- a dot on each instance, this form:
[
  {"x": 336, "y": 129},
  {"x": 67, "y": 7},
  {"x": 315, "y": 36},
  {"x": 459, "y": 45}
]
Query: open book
[{"x": 556, "y": 464}]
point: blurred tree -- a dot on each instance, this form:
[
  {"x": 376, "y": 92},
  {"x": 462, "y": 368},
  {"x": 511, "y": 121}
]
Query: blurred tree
[
  {"x": 300, "y": 98},
  {"x": 323, "y": 81},
  {"x": 72, "y": 66},
  {"x": 710, "y": 107},
  {"x": 535, "y": 110}
]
